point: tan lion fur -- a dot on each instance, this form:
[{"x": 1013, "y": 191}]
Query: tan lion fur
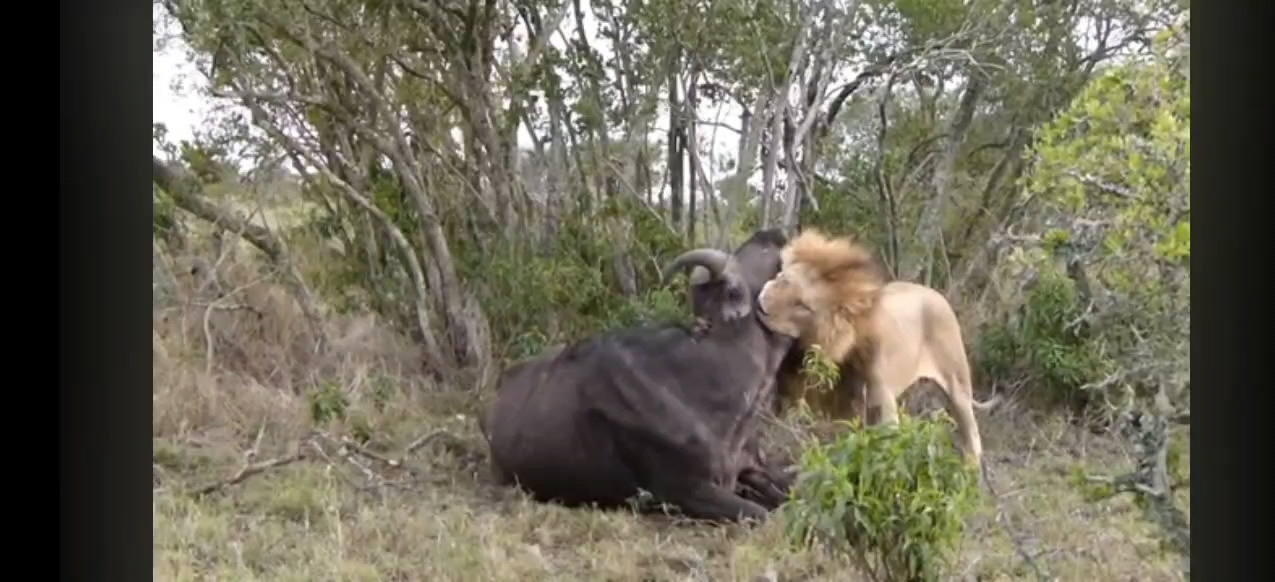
[
  {"x": 845, "y": 298},
  {"x": 885, "y": 336}
]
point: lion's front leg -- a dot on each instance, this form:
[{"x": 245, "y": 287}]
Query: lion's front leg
[
  {"x": 881, "y": 406},
  {"x": 851, "y": 395}
]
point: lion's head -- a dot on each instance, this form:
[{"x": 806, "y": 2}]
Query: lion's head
[{"x": 825, "y": 293}]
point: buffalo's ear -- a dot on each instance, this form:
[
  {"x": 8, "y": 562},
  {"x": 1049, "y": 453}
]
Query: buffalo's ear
[{"x": 737, "y": 300}]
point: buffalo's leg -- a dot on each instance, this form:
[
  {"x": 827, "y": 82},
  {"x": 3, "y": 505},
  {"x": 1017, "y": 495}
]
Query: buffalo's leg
[
  {"x": 771, "y": 479},
  {"x": 746, "y": 491},
  {"x": 769, "y": 487},
  {"x": 714, "y": 503},
  {"x": 783, "y": 478},
  {"x": 753, "y": 485}
]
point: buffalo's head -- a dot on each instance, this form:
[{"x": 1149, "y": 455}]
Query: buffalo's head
[{"x": 723, "y": 287}]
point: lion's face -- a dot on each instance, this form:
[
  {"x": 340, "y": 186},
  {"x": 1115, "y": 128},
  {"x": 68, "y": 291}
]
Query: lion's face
[{"x": 787, "y": 303}]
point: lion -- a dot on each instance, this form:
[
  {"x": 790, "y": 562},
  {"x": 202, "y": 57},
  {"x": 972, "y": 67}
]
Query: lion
[{"x": 885, "y": 336}]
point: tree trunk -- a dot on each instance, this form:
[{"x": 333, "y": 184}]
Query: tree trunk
[
  {"x": 929, "y": 227},
  {"x": 675, "y": 147},
  {"x": 692, "y": 144}
]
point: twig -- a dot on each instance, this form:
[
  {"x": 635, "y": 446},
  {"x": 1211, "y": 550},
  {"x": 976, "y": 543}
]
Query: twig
[
  {"x": 1002, "y": 519},
  {"x": 252, "y": 452},
  {"x": 1127, "y": 483},
  {"x": 423, "y": 440},
  {"x": 331, "y": 463},
  {"x": 345, "y": 446},
  {"x": 1101, "y": 185},
  {"x": 401, "y": 463},
  {"x": 208, "y": 364},
  {"x": 208, "y": 340},
  {"x": 372, "y": 477},
  {"x": 250, "y": 470}
]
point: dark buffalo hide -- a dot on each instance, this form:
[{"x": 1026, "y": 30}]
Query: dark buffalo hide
[{"x": 659, "y": 409}]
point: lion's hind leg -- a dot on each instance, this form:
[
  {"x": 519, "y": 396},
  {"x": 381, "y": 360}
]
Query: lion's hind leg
[{"x": 960, "y": 405}]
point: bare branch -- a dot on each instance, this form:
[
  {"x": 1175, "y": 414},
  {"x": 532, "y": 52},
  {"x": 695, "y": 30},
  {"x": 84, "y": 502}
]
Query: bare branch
[
  {"x": 248, "y": 471},
  {"x": 1101, "y": 185},
  {"x": 188, "y": 194}
]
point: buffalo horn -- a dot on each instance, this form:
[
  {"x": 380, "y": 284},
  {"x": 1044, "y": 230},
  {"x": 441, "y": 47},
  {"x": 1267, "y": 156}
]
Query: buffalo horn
[
  {"x": 699, "y": 275},
  {"x": 714, "y": 260}
]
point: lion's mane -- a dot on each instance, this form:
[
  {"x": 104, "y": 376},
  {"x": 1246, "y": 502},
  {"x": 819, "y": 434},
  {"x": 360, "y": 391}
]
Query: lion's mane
[{"x": 843, "y": 282}]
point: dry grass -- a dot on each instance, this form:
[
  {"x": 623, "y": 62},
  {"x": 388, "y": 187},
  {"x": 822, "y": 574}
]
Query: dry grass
[{"x": 352, "y": 517}]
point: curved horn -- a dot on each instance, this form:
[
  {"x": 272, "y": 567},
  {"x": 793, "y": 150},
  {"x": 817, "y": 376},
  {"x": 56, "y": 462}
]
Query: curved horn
[
  {"x": 699, "y": 275},
  {"x": 714, "y": 260}
]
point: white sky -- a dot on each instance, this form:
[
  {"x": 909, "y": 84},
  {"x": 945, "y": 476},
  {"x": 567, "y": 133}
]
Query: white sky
[{"x": 181, "y": 109}]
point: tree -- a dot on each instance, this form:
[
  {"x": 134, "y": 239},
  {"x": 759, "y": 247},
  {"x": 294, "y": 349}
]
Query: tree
[{"x": 1113, "y": 172}]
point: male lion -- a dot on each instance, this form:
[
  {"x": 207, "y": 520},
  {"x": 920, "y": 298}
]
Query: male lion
[{"x": 887, "y": 336}]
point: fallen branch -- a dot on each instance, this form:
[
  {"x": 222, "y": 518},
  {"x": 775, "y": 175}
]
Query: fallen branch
[
  {"x": 417, "y": 473},
  {"x": 1002, "y": 519},
  {"x": 347, "y": 449},
  {"x": 362, "y": 450},
  {"x": 250, "y": 470},
  {"x": 1150, "y": 479},
  {"x": 236, "y": 307}
]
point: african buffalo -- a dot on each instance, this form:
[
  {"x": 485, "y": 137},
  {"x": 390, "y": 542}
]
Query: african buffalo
[
  {"x": 759, "y": 259},
  {"x": 659, "y": 409}
]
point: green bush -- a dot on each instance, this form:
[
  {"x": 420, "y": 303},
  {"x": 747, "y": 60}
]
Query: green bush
[
  {"x": 893, "y": 499},
  {"x": 1045, "y": 344},
  {"x": 819, "y": 369},
  {"x": 327, "y": 402},
  {"x": 534, "y": 297},
  {"x": 844, "y": 209}
]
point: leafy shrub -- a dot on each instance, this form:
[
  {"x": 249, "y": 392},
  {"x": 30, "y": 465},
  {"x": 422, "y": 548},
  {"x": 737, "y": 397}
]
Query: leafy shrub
[
  {"x": 657, "y": 306},
  {"x": 891, "y": 498},
  {"x": 1044, "y": 343},
  {"x": 819, "y": 370},
  {"x": 327, "y": 402},
  {"x": 535, "y": 301},
  {"x": 539, "y": 297},
  {"x": 844, "y": 209}
]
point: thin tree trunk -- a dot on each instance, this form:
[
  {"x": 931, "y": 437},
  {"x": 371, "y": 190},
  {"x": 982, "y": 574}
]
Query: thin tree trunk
[
  {"x": 675, "y": 145},
  {"x": 929, "y": 226},
  {"x": 692, "y": 144}
]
